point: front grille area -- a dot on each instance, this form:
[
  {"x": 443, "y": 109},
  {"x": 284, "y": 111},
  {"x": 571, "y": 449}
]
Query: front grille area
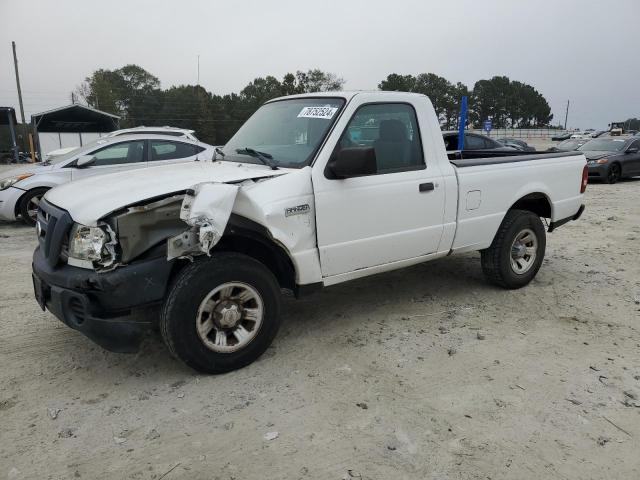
[{"x": 53, "y": 228}]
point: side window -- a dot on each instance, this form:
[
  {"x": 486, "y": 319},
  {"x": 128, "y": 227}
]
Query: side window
[
  {"x": 635, "y": 144},
  {"x": 391, "y": 129},
  {"x": 471, "y": 142},
  {"x": 125, "y": 152},
  {"x": 168, "y": 150}
]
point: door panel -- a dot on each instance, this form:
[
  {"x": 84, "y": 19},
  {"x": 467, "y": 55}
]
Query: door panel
[
  {"x": 377, "y": 219},
  {"x": 368, "y": 221}
]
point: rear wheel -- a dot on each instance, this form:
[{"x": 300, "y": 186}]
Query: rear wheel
[
  {"x": 222, "y": 313},
  {"x": 28, "y": 207},
  {"x": 517, "y": 251},
  {"x": 613, "y": 173}
]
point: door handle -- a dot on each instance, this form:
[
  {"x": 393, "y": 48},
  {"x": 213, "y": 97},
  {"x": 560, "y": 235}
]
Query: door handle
[{"x": 426, "y": 187}]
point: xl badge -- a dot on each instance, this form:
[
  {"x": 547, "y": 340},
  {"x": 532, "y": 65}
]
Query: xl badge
[{"x": 297, "y": 210}]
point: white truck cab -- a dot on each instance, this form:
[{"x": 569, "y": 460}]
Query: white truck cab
[{"x": 313, "y": 190}]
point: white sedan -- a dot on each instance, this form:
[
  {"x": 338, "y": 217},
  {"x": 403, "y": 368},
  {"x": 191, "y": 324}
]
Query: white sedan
[{"x": 22, "y": 188}]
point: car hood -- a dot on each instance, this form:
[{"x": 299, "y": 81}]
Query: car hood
[
  {"x": 597, "y": 155},
  {"x": 90, "y": 199},
  {"x": 25, "y": 168}
]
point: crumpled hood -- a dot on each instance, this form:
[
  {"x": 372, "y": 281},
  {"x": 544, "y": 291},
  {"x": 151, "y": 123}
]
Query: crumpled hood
[
  {"x": 25, "y": 168},
  {"x": 90, "y": 199},
  {"x": 597, "y": 155}
]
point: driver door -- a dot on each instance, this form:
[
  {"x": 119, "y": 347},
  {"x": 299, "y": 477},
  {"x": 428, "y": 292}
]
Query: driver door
[
  {"x": 116, "y": 157},
  {"x": 393, "y": 215}
]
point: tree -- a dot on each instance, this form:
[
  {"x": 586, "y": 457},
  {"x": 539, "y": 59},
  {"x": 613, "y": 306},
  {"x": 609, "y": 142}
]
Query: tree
[
  {"x": 398, "y": 83},
  {"x": 444, "y": 96},
  {"x": 509, "y": 104},
  {"x": 130, "y": 92},
  {"x": 317, "y": 81}
]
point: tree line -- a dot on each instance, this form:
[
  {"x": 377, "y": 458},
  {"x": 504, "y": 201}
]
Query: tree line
[
  {"x": 508, "y": 103},
  {"x": 136, "y": 96}
]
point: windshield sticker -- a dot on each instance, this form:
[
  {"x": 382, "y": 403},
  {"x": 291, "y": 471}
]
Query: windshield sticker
[{"x": 318, "y": 112}]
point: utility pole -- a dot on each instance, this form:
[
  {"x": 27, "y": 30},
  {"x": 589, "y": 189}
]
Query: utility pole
[
  {"x": 198, "y": 70},
  {"x": 15, "y": 66},
  {"x": 566, "y": 115}
]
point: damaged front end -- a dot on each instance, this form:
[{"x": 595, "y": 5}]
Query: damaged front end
[{"x": 191, "y": 224}]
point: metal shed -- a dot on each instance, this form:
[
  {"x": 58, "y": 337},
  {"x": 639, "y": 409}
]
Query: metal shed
[{"x": 70, "y": 126}]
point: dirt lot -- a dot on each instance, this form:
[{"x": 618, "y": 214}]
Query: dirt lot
[{"x": 422, "y": 373}]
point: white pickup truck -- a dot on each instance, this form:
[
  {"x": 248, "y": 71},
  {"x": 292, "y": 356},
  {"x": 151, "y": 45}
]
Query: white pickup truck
[{"x": 312, "y": 191}]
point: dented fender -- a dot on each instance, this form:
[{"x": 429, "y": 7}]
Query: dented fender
[{"x": 206, "y": 208}]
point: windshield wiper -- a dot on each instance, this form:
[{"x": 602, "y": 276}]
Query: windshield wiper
[{"x": 264, "y": 157}]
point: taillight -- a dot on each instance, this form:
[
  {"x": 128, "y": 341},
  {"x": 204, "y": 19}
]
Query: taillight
[{"x": 585, "y": 179}]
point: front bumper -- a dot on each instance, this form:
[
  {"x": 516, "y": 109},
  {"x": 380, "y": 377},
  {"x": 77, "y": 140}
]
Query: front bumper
[
  {"x": 8, "y": 201},
  {"x": 598, "y": 170},
  {"x": 101, "y": 305}
]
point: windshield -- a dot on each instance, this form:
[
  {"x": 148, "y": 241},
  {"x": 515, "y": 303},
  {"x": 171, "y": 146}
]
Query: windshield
[
  {"x": 77, "y": 151},
  {"x": 289, "y": 131},
  {"x": 604, "y": 145}
]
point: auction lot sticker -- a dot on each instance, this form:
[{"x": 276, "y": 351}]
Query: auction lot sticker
[{"x": 318, "y": 112}]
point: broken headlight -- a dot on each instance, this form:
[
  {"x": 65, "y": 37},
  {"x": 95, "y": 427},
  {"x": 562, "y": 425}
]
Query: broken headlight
[{"x": 88, "y": 245}]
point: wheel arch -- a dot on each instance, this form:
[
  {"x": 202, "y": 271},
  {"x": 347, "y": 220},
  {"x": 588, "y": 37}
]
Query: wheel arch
[
  {"x": 16, "y": 207},
  {"x": 252, "y": 239},
  {"x": 535, "y": 202}
]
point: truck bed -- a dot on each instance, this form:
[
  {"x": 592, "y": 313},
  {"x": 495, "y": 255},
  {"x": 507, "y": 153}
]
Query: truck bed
[{"x": 471, "y": 158}]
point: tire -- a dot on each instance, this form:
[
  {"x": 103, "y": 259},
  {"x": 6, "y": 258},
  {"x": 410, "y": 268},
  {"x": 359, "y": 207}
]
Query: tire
[
  {"x": 520, "y": 233},
  {"x": 613, "y": 173},
  {"x": 193, "y": 308},
  {"x": 27, "y": 203}
]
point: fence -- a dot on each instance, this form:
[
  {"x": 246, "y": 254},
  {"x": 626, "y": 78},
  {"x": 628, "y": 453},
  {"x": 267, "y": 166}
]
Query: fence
[{"x": 524, "y": 133}]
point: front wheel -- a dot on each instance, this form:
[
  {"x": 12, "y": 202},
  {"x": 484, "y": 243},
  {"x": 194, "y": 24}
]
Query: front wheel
[
  {"x": 517, "y": 251},
  {"x": 28, "y": 207},
  {"x": 222, "y": 313},
  {"x": 613, "y": 173}
]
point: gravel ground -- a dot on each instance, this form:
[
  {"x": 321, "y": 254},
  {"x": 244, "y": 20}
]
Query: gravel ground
[{"x": 421, "y": 373}]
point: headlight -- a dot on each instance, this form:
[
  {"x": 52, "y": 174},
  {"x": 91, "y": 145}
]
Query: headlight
[
  {"x": 89, "y": 244},
  {"x": 9, "y": 181},
  {"x": 602, "y": 161}
]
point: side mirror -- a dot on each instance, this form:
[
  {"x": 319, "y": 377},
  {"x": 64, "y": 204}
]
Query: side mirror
[
  {"x": 632, "y": 150},
  {"x": 85, "y": 161},
  {"x": 352, "y": 162}
]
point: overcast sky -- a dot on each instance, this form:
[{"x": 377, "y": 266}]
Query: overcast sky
[{"x": 586, "y": 51}]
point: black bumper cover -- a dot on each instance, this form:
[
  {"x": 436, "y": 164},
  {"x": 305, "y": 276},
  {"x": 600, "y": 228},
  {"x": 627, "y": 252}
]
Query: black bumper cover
[
  {"x": 100, "y": 305},
  {"x": 559, "y": 223}
]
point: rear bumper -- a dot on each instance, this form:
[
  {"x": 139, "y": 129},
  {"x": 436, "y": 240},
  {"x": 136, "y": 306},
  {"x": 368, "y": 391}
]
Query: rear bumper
[
  {"x": 559, "y": 223},
  {"x": 8, "y": 201},
  {"x": 100, "y": 305}
]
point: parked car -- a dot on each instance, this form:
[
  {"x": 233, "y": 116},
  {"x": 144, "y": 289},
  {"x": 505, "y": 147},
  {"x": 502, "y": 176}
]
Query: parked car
[
  {"x": 611, "y": 159},
  {"x": 598, "y": 133},
  {"x": 472, "y": 141},
  {"x": 562, "y": 136},
  {"x": 517, "y": 143},
  {"x": 22, "y": 188},
  {"x": 581, "y": 135},
  {"x": 298, "y": 199},
  {"x": 568, "y": 145},
  {"x": 172, "y": 131}
]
